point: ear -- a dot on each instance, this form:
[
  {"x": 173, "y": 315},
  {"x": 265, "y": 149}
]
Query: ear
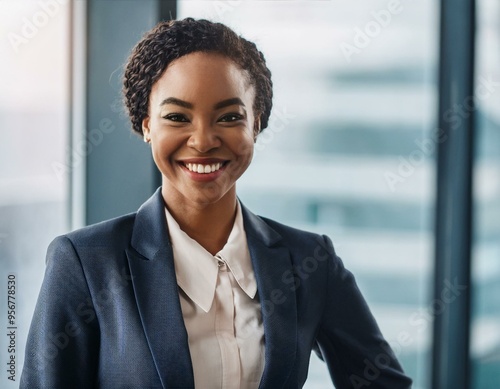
[
  {"x": 256, "y": 128},
  {"x": 146, "y": 129}
]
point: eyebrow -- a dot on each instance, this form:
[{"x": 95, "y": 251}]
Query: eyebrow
[
  {"x": 219, "y": 105},
  {"x": 228, "y": 102},
  {"x": 175, "y": 101}
]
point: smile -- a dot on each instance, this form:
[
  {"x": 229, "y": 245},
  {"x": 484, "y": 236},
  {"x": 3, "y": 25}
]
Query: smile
[{"x": 203, "y": 168}]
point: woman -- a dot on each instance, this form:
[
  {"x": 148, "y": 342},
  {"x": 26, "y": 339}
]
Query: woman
[{"x": 193, "y": 290}]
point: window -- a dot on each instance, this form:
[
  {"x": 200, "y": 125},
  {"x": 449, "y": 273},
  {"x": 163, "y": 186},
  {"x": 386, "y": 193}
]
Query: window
[
  {"x": 485, "y": 338},
  {"x": 350, "y": 150},
  {"x": 34, "y": 123}
]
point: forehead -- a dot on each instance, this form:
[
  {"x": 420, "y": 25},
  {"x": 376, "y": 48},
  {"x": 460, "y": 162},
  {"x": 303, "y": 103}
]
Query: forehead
[{"x": 202, "y": 74}]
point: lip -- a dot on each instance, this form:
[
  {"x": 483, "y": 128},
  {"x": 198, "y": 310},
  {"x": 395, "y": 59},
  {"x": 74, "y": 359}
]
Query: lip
[
  {"x": 204, "y": 161},
  {"x": 203, "y": 177}
]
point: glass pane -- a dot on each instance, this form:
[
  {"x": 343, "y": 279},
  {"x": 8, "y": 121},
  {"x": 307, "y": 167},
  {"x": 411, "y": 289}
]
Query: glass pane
[
  {"x": 485, "y": 342},
  {"x": 349, "y": 151},
  {"x": 34, "y": 125}
]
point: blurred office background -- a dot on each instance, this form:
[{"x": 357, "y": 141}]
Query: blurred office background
[{"x": 350, "y": 151}]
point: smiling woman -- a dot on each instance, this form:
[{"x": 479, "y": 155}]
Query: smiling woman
[
  {"x": 201, "y": 137},
  {"x": 194, "y": 290}
]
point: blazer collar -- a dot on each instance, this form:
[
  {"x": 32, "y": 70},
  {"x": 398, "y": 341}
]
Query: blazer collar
[
  {"x": 271, "y": 261},
  {"x": 157, "y": 296},
  {"x": 150, "y": 228}
]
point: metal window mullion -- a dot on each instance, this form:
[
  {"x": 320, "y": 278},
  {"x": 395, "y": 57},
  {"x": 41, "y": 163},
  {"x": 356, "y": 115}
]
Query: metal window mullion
[{"x": 452, "y": 279}]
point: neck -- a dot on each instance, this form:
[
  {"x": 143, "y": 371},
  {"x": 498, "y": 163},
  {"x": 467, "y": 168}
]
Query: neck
[{"x": 208, "y": 223}]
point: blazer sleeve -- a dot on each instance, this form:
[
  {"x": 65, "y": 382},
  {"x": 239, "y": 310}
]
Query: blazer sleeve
[
  {"x": 63, "y": 341},
  {"x": 349, "y": 338}
]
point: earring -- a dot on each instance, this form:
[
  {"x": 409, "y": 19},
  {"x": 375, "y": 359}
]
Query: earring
[{"x": 146, "y": 140}]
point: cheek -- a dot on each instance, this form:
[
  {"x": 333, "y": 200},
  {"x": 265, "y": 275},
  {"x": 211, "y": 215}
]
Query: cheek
[
  {"x": 243, "y": 145},
  {"x": 157, "y": 157},
  {"x": 167, "y": 142},
  {"x": 163, "y": 149}
]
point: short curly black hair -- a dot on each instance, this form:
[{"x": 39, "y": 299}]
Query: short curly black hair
[{"x": 170, "y": 40}]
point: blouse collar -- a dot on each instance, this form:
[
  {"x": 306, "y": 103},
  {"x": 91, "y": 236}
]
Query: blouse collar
[{"x": 196, "y": 269}]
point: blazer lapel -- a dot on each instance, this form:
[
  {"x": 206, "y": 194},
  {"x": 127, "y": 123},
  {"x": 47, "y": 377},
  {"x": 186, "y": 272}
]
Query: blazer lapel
[
  {"x": 271, "y": 259},
  {"x": 157, "y": 295}
]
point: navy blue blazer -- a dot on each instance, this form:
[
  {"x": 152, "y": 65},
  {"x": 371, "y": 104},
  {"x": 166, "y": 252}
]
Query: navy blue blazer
[{"x": 108, "y": 314}]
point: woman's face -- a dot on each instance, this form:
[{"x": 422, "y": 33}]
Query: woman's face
[{"x": 201, "y": 127}]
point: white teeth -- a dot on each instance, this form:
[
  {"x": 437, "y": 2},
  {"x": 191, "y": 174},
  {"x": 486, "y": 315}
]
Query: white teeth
[{"x": 203, "y": 169}]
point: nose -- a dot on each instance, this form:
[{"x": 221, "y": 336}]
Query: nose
[{"x": 204, "y": 138}]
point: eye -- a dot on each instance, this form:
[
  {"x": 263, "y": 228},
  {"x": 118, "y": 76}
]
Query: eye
[
  {"x": 231, "y": 117},
  {"x": 176, "y": 117}
]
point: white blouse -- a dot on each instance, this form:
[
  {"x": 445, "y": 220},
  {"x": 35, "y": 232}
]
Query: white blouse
[{"x": 221, "y": 309}]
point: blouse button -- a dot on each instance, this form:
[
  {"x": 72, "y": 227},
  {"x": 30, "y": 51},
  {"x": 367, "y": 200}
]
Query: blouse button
[{"x": 221, "y": 263}]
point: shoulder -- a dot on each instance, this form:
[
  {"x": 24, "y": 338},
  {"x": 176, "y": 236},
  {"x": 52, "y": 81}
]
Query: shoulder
[
  {"x": 95, "y": 253},
  {"x": 108, "y": 233},
  {"x": 289, "y": 232},
  {"x": 299, "y": 240}
]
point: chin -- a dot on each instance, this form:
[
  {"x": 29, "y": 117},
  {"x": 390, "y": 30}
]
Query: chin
[{"x": 209, "y": 195}]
